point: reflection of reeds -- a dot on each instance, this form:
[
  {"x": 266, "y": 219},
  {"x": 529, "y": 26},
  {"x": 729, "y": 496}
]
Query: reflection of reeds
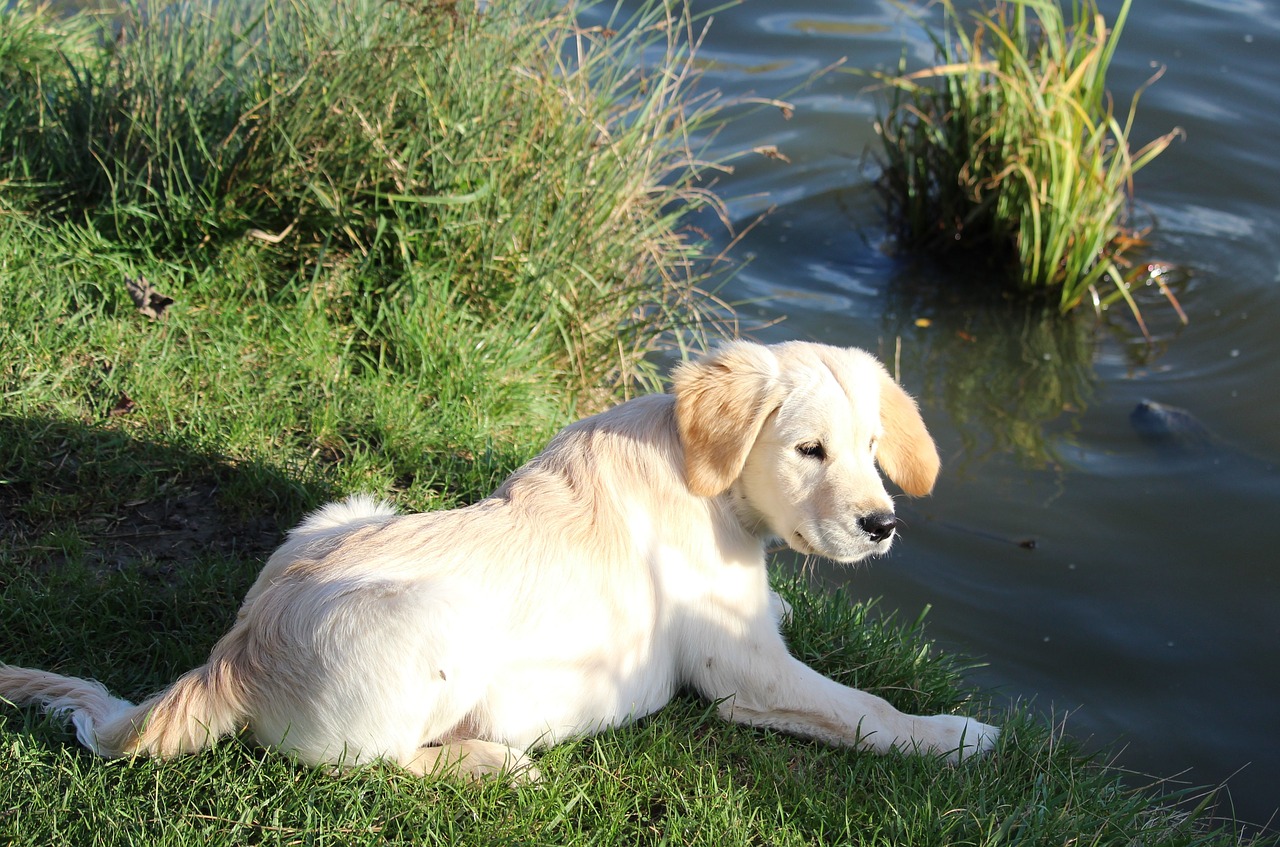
[
  {"x": 1009, "y": 374},
  {"x": 1010, "y": 146}
]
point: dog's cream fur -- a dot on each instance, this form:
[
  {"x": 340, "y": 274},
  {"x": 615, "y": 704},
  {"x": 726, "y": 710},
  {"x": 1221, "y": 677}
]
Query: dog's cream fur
[{"x": 622, "y": 563}]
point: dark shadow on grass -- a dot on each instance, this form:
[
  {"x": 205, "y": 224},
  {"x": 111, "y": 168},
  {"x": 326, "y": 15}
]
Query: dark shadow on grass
[
  {"x": 113, "y": 501},
  {"x": 124, "y": 559}
]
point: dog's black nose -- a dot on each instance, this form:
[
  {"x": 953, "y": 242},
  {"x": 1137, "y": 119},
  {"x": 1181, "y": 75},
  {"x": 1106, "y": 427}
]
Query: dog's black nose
[{"x": 879, "y": 525}]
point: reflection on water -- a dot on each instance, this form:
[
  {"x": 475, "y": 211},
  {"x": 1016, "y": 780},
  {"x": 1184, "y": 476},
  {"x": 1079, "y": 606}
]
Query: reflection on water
[
  {"x": 835, "y": 26},
  {"x": 1010, "y": 375}
]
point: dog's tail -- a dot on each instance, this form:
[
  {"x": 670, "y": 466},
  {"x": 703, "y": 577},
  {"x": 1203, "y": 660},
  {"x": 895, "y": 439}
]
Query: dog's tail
[{"x": 203, "y": 705}]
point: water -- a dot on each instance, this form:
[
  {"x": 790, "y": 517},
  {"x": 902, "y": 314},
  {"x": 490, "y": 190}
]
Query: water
[{"x": 1149, "y": 609}]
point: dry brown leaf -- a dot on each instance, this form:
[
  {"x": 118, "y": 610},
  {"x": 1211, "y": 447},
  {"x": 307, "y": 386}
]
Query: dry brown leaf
[
  {"x": 124, "y": 405},
  {"x": 149, "y": 301},
  {"x": 771, "y": 151}
]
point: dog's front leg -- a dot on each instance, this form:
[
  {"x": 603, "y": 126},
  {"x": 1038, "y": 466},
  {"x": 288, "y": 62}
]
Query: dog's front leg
[{"x": 766, "y": 686}]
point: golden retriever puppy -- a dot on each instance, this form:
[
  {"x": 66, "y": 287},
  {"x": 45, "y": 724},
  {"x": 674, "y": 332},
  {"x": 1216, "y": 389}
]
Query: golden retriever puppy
[{"x": 622, "y": 563}]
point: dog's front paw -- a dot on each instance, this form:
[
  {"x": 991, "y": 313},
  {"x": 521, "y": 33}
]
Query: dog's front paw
[{"x": 959, "y": 737}]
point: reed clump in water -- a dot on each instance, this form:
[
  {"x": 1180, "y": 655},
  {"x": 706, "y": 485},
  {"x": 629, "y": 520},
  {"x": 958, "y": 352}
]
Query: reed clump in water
[{"x": 1010, "y": 145}]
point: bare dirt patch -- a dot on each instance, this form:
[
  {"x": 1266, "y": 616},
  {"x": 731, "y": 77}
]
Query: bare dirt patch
[
  {"x": 73, "y": 493},
  {"x": 166, "y": 532}
]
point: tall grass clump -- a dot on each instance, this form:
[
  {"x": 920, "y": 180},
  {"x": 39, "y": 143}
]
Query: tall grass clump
[
  {"x": 35, "y": 44},
  {"x": 1010, "y": 146},
  {"x": 392, "y": 160}
]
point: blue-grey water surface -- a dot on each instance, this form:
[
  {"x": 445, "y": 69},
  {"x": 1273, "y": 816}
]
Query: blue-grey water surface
[{"x": 1148, "y": 612}]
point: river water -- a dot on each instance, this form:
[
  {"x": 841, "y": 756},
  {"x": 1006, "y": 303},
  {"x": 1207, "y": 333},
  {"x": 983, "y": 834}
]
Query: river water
[{"x": 1148, "y": 611}]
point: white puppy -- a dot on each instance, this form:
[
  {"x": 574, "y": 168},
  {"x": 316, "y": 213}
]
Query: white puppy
[{"x": 622, "y": 563}]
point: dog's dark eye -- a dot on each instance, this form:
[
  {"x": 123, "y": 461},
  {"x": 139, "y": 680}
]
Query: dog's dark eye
[{"x": 812, "y": 449}]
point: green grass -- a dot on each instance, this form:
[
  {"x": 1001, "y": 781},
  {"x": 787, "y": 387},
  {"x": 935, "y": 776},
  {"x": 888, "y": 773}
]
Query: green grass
[
  {"x": 510, "y": 167},
  {"x": 1010, "y": 148},
  {"x": 682, "y": 776},
  {"x": 417, "y": 341}
]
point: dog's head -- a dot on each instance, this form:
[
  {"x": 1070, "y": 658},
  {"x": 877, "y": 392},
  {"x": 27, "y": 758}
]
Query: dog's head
[{"x": 794, "y": 432}]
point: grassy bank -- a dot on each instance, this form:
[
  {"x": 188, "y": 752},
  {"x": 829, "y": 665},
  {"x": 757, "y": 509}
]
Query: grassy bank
[
  {"x": 400, "y": 255},
  {"x": 415, "y": 177}
]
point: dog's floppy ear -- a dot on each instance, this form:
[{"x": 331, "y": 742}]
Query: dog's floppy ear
[
  {"x": 906, "y": 451},
  {"x": 722, "y": 401}
]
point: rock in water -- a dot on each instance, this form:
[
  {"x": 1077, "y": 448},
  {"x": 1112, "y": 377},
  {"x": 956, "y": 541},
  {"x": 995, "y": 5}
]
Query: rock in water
[{"x": 1169, "y": 427}]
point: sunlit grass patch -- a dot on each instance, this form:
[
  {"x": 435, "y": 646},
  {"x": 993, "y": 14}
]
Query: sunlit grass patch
[
  {"x": 395, "y": 160},
  {"x": 38, "y": 43},
  {"x": 1011, "y": 146}
]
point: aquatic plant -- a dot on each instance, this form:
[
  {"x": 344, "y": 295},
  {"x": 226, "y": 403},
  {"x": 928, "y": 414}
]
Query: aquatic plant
[{"x": 1010, "y": 144}]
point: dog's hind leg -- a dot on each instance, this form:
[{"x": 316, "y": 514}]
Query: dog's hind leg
[{"x": 473, "y": 759}]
